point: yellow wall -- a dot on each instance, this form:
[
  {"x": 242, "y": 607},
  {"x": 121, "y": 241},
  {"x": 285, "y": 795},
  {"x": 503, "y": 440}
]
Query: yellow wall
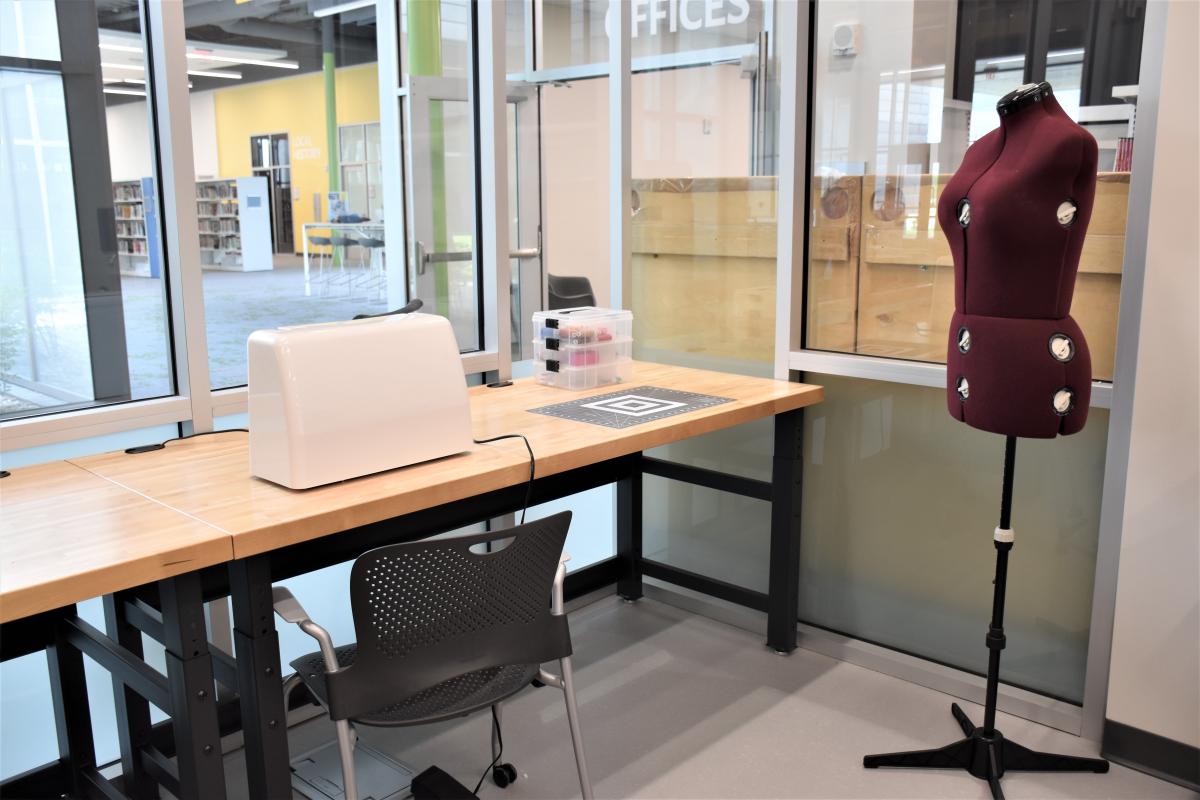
[{"x": 295, "y": 106}]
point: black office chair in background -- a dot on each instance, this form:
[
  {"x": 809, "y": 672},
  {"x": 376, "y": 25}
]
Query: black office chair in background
[
  {"x": 445, "y": 628},
  {"x": 569, "y": 291}
]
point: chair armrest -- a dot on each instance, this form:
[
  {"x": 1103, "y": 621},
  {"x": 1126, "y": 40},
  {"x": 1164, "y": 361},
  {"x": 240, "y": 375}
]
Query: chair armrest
[
  {"x": 287, "y": 606},
  {"x": 560, "y": 578},
  {"x": 289, "y": 610}
]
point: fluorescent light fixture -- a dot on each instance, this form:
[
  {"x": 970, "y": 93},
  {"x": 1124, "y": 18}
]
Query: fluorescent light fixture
[
  {"x": 350, "y": 5},
  {"x": 135, "y": 80},
  {"x": 135, "y": 92},
  {"x": 252, "y": 61},
  {"x": 209, "y": 73},
  {"x": 113, "y": 65},
  {"x": 121, "y": 48}
]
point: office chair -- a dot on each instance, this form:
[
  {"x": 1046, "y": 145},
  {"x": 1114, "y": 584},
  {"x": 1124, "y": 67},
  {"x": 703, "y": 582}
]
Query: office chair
[
  {"x": 411, "y": 307},
  {"x": 321, "y": 254},
  {"x": 445, "y": 629},
  {"x": 569, "y": 291},
  {"x": 344, "y": 243}
]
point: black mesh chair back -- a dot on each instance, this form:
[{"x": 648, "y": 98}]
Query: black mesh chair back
[
  {"x": 569, "y": 291},
  {"x": 435, "y": 615}
]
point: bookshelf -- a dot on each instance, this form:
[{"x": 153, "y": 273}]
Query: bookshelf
[
  {"x": 136, "y": 223},
  {"x": 234, "y": 224}
]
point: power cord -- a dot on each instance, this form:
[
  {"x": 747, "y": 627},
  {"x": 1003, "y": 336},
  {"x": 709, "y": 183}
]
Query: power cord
[
  {"x": 149, "y": 448},
  {"x": 499, "y": 752},
  {"x": 532, "y": 464}
]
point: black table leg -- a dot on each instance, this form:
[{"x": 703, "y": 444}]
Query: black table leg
[
  {"x": 784, "y": 585},
  {"x": 629, "y": 532},
  {"x": 133, "y": 711},
  {"x": 72, "y": 715},
  {"x": 190, "y": 682},
  {"x": 256, "y": 645}
]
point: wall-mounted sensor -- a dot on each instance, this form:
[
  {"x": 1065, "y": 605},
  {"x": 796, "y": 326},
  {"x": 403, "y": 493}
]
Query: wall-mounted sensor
[{"x": 846, "y": 37}]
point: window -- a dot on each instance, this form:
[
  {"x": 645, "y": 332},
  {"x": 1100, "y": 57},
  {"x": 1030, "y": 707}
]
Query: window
[
  {"x": 896, "y": 492},
  {"x": 890, "y": 126},
  {"x": 82, "y": 289},
  {"x": 290, "y": 231}
]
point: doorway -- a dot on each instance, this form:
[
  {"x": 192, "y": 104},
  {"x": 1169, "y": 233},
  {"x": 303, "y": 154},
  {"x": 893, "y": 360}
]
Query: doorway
[{"x": 270, "y": 157}]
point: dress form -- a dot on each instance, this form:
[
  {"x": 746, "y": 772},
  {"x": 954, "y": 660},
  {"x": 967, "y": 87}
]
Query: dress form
[{"x": 1015, "y": 215}]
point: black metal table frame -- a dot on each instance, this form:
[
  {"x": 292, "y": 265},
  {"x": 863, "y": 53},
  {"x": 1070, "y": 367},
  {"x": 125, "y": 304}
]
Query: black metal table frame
[{"x": 183, "y": 753}]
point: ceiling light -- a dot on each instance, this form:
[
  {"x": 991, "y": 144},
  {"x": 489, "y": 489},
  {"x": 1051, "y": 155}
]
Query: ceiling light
[
  {"x": 136, "y": 92},
  {"x": 350, "y": 5},
  {"x": 111, "y": 65},
  {"x": 208, "y": 73},
  {"x": 251, "y": 61},
  {"x": 135, "y": 80}
]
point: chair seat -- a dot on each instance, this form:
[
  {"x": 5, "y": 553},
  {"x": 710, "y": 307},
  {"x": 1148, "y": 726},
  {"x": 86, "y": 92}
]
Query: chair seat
[{"x": 453, "y": 698}]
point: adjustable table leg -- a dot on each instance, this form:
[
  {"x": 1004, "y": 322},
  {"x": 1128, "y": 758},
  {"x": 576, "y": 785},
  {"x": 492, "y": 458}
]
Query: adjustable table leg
[
  {"x": 193, "y": 692},
  {"x": 629, "y": 532},
  {"x": 264, "y": 717},
  {"x": 133, "y": 711},
  {"x": 784, "y": 582}
]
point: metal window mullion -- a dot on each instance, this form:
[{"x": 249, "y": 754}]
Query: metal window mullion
[
  {"x": 387, "y": 44},
  {"x": 619, "y": 161},
  {"x": 492, "y": 93},
  {"x": 91, "y": 178},
  {"x": 791, "y": 188},
  {"x": 172, "y": 114},
  {"x": 1120, "y": 419}
]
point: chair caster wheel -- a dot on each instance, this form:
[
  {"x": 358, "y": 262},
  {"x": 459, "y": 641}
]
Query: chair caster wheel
[{"x": 503, "y": 775}]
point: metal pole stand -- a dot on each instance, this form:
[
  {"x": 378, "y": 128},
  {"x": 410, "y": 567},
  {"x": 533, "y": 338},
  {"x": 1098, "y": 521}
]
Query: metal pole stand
[{"x": 984, "y": 752}]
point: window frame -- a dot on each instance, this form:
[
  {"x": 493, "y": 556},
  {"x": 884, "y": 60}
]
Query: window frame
[{"x": 195, "y": 404}]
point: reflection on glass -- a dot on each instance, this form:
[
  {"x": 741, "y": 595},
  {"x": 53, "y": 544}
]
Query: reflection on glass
[
  {"x": 66, "y": 339},
  {"x": 890, "y": 127},
  {"x": 900, "y": 501},
  {"x": 283, "y": 170}
]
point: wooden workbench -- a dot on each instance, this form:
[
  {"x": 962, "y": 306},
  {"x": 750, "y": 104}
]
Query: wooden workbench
[{"x": 158, "y": 533}]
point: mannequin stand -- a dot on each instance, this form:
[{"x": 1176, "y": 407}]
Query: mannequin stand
[{"x": 985, "y": 753}]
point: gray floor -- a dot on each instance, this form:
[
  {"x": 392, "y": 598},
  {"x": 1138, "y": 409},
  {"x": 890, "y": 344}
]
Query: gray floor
[{"x": 675, "y": 705}]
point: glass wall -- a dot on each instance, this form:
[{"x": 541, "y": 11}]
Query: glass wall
[
  {"x": 900, "y": 501},
  {"x": 702, "y": 278},
  {"x": 891, "y": 122},
  {"x": 82, "y": 290}
]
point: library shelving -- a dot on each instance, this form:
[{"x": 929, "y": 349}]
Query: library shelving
[{"x": 234, "y": 223}]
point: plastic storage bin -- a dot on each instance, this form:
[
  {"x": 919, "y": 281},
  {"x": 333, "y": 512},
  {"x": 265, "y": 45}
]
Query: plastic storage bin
[{"x": 582, "y": 348}]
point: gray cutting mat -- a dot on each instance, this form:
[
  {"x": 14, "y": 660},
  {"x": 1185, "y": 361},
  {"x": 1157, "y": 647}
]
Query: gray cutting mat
[{"x": 630, "y": 407}]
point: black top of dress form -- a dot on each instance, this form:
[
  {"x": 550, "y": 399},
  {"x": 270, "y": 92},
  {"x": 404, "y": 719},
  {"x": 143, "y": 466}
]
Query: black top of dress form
[{"x": 1023, "y": 97}]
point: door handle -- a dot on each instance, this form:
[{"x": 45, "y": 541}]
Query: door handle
[{"x": 526, "y": 252}]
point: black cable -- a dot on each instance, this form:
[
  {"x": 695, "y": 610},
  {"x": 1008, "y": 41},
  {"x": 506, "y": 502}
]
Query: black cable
[
  {"x": 532, "y": 465},
  {"x": 149, "y": 448},
  {"x": 499, "y": 751}
]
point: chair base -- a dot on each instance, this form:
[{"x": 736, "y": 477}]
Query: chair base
[
  {"x": 985, "y": 757},
  {"x": 317, "y": 775}
]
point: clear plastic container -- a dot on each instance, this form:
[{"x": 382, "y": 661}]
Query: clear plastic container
[{"x": 581, "y": 348}]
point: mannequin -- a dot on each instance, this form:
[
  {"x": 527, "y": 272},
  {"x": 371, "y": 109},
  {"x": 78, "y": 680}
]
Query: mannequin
[{"x": 1015, "y": 215}]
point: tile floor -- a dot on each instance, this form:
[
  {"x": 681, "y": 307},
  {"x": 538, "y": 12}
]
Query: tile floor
[{"x": 676, "y": 705}]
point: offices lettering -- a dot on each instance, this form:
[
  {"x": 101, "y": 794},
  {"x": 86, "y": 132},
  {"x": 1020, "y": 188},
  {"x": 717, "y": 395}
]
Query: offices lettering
[{"x": 653, "y": 17}]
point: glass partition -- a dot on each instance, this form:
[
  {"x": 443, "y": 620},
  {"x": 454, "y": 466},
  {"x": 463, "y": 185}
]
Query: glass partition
[
  {"x": 890, "y": 124},
  {"x": 83, "y": 317},
  {"x": 900, "y": 503}
]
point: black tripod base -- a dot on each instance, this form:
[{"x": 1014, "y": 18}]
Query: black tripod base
[{"x": 985, "y": 757}]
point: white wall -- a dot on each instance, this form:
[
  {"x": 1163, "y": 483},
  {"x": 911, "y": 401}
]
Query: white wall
[
  {"x": 129, "y": 138},
  {"x": 1154, "y": 684}
]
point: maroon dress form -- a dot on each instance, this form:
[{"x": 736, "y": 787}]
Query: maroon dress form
[{"x": 1015, "y": 215}]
